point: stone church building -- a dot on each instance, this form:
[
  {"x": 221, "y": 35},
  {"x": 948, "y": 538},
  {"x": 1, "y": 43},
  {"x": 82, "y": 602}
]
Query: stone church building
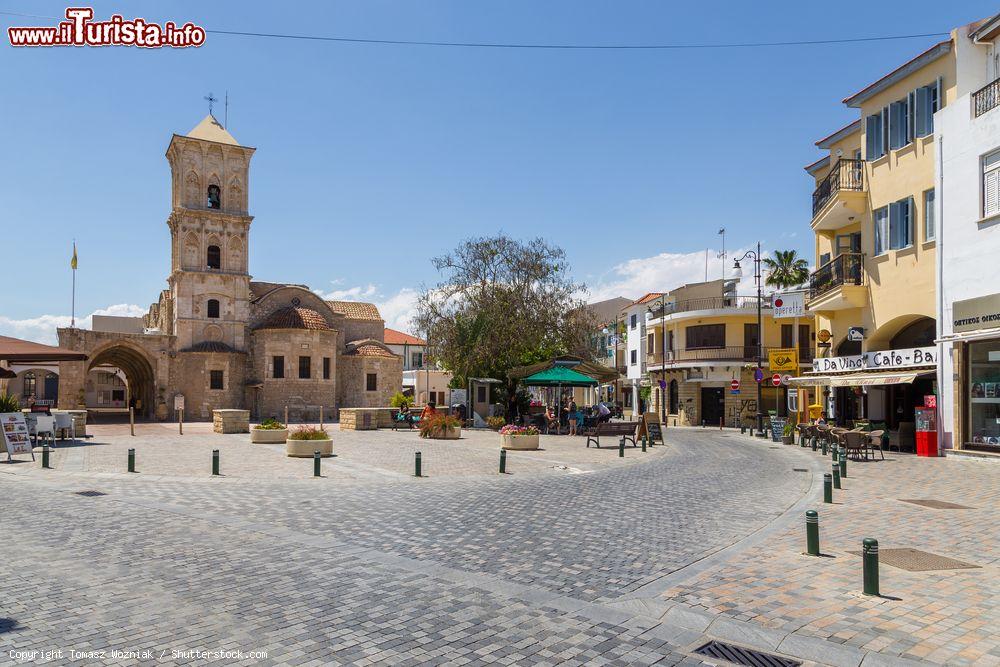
[{"x": 216, "y": 337}]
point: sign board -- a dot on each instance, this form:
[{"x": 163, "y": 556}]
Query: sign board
[
  {"x": 178, "y": 402},
  {"x": 663, "y": 384},
  {"x": 793, "y": 402},
  {"x": 856, "y": 334},
  {"x": 976, "y": 314},
  {"x": 786, "y": 379},
  {"x": 15, "y": 433},
  {"x": 735, "y": 385},
  {"x": 758, "y": 375},
  {"x": 823, "y": 336},
  {"x": 776, "y": 380},
  {"x": 930, "y": 401},
  {"x": 655, "y": 432},
  {"x": 785, "y": 359},
  {"x": 792, "y": 304},
  {"x": 878, "y": 360}
]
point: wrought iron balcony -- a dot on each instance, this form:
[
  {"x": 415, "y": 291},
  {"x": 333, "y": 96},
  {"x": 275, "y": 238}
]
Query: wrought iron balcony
[
  {"x": 748, "y": 303},
  {"x": 847, "y": 174},
  {"x": 986, "y": 98},
  {"x": 745, "y": 353},
  {"x": 844, "y": 269}
]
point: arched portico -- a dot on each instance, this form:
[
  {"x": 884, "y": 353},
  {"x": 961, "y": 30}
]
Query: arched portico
[{"x": 139, "y": 373}]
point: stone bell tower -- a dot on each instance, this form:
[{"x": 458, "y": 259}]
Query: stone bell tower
[{"x": 209, "y": 238}]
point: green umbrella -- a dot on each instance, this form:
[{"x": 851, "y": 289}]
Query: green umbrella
[{"x": 559, "y": 376}]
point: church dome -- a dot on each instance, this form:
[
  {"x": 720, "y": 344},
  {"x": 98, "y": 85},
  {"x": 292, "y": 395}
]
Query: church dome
[{"x": 295, "y": 317}]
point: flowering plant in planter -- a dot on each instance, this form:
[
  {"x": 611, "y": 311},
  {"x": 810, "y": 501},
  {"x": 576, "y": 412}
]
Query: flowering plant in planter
[
  {"x": 438, "y": 426},
  {"x": 511, "y": 429},
  {"x": 270, "y": 424},
  {"x": 495, "y": 422},
  {"x": 309, "y": 433}
]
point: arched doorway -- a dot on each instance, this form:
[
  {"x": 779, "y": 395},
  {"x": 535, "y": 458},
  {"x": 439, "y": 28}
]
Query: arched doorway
[{"x": 139, "y": 375}]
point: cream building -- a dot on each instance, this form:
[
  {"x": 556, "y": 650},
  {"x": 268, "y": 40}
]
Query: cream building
[
  {"x": 218, "y": 339},
  {"x": 874, "y": 218},
  {"x": 701, "y": 337}
]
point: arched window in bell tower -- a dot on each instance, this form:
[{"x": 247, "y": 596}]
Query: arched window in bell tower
[
  {"x": 214, "y": 257},
  {"x": 214, "y": 196}
]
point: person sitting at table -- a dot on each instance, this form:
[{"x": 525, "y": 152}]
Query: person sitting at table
[{"x": 603, "y": 413}]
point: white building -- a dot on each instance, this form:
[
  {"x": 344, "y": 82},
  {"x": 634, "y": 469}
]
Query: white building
[
  {"x": 413, "y": 350},
  {"x": 968, "y": 241},
  {"x": 635, "y": 315}
]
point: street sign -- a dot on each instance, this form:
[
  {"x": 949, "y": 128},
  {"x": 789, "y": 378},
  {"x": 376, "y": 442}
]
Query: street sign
[
  {"x": 758, "y": 375},
  {"x": 856, "y": 334},
  {"x": 785, "y": 359},
  {"x": 776, "y": 380},
  {"x": 786, "y": 379},
  {"x": 792, "y": 304},
  {"x": 735, "y": 385}
]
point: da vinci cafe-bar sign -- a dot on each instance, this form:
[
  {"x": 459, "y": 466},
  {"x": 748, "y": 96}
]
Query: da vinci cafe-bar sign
[{"x": 878, "y": 360}]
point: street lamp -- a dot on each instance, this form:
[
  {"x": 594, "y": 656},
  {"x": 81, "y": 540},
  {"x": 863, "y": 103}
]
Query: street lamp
[{"x": 738, "y": 274}]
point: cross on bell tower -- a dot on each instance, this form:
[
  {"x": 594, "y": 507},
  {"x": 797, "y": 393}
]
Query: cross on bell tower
[{"x": 211, "y": 99}]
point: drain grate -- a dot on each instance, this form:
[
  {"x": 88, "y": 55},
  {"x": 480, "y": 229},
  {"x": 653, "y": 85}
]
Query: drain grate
[
  {"x": 90, "y": 494},
  {"x": 915, "y": 560},
  {"x": 744, "y": 656},
  {"x": 935, "y": 504},
  {"x": 800, "y": 470}
]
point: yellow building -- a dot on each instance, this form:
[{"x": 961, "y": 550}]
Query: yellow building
[
  {"x": 873, "y": 293},
  {"x": 701, "y": 337}
]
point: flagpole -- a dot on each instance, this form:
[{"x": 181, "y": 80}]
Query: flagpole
[{"x": 72, "y": 316}]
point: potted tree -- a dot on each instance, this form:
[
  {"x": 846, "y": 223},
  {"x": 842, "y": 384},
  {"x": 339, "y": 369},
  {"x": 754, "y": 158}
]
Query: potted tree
[
  {"x": 305, "y": 440},
  {"x": 441, "y": 427},
  {"x": 269, "y": 432},
  {"x": 519, "y": 437},
  {"x": 788, "y": 434}
]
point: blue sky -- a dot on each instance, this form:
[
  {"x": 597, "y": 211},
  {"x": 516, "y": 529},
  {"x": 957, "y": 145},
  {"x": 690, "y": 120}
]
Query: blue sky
[{"x": 373, "y": 159}]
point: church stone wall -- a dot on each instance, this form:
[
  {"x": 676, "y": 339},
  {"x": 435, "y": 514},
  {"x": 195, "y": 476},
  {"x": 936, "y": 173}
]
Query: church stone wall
[
  {"x": 303, "y": 397},
  {"x": 192, "y": 377},
  {"x": 353, "y": 380}
]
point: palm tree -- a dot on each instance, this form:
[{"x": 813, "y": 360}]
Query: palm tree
[{"x": 786, "y": 269}]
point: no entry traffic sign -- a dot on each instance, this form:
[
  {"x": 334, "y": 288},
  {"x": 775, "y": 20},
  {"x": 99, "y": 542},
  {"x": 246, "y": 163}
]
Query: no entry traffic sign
[
  {"x": 776, "y": 380},
  {"x": 735, "y": 385}
]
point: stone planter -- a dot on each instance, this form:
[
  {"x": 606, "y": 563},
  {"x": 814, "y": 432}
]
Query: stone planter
[
  {"x": 519, "y": 442},
  {"x": 230, "y": 421},
  {"x": 268, "y": 436},
  {"x": 788, "y": 439},
  {"x": 451, "y": 433},
  {"x": 305, "y": 448}
]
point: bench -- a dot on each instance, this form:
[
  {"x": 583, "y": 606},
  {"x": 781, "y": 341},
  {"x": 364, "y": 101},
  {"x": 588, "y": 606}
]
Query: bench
[{"x": 624, "y": 431}]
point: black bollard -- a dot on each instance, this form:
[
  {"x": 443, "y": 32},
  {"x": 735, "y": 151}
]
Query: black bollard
[
  {"x": 131, "y": 460},
  {"x": 316, "y": 464},
  {"x": 503, "y": 461}
]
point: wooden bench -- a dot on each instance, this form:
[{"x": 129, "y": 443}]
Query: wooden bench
[{"x": 624, "y": 431}]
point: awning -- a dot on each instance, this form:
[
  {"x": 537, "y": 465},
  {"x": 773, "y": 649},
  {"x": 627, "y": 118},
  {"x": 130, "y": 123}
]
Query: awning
[
  {"x": 857, "y": 379},
  {"x": 559, "y": 376},
  {"x": 970, "y": 335},
  {"x": 26, "y": 351}
]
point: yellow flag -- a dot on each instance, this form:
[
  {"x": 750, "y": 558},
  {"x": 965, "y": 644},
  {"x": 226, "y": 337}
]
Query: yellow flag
[{"x": 72, "y": 262}]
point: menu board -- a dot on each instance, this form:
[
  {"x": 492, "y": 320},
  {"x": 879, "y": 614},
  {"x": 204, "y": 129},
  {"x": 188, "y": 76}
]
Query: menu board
[{"x": 15, "y": 433}]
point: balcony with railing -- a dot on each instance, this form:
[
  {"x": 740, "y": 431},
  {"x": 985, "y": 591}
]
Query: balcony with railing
[
  {"x": 845, "y": 181},
  {"x": 740, "y": 353},
  {"x": 746, "y": 303},
  {"x": 986, "y": 98},
  {"x": 839, "y": 283}
]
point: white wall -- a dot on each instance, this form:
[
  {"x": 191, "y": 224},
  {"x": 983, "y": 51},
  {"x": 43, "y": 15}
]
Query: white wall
[
  {"x": 636, "y": 341},
  {"x": 967, "y": 247}
]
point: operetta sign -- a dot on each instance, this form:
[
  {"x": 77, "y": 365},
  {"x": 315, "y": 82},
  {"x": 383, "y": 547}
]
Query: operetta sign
[{"x": 792, "y": 304}]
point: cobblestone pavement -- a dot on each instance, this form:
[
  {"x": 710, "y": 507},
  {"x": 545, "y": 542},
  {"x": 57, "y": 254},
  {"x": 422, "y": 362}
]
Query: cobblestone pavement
[
  {"x": 361, "y": 455},
  {"x": 613, "y": 566},
  {"x": 945, "y": 616}
]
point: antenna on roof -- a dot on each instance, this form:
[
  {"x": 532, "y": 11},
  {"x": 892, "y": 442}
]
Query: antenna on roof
[
  {"x": 225, "y": 123},
  {"x": 722, "y": 255}
]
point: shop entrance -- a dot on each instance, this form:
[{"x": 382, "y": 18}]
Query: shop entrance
[{"x": 713, "y": 405}]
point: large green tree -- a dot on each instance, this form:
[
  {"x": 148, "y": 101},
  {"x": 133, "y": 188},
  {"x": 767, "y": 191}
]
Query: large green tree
[
  {"x": 503, "y": 302},
  {"x": 786, "y": 269}
]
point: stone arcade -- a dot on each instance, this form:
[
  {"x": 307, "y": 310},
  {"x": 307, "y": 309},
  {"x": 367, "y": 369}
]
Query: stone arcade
[{"x": 218, "y": 338}]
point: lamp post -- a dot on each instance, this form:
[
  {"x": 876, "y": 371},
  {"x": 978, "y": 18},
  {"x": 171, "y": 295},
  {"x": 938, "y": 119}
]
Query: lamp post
[{"x": 738, "y": 274}]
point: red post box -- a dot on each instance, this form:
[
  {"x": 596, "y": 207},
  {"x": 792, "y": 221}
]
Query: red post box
[{"x": 926, "y": 431}]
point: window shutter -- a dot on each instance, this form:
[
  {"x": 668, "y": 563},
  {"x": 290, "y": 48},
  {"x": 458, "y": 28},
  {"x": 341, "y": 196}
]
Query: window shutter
[
  {"x": 938, "y": 90},
  {"x": 911, "y": 208},
  {"x": 885, "y": 130},
  {"x": 871, "y": 129},
  {"x": 920, "y": 115},
  {"x": 991, "y": 193},
  {"x": 911, "y": 109}
]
